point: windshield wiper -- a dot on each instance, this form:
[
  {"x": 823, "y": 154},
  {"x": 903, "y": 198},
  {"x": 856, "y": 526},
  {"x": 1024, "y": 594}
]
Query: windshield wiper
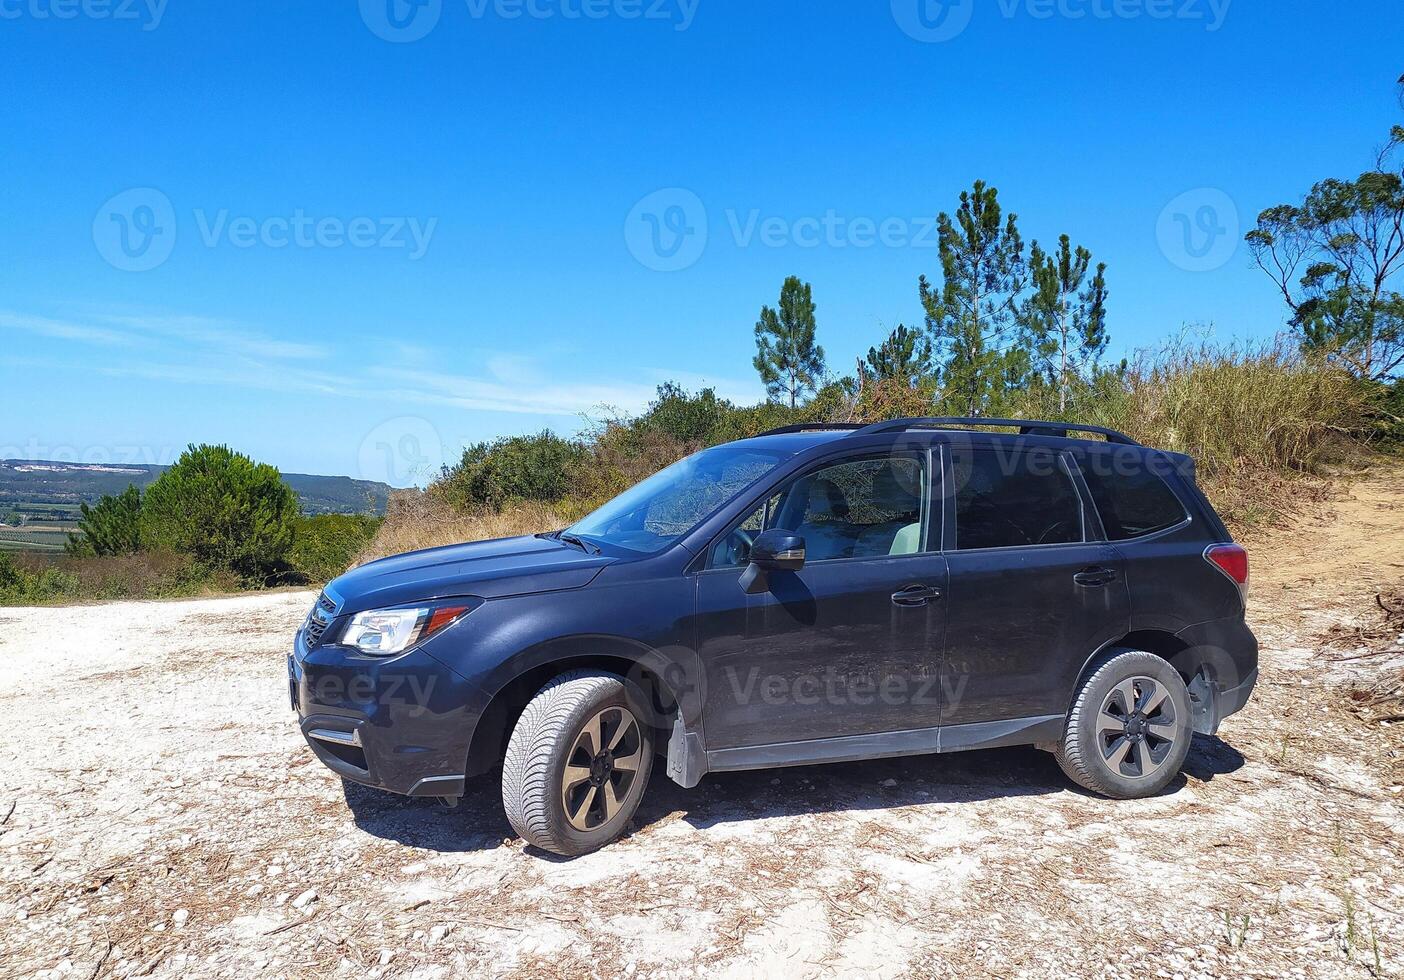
[{"x": 578, "y": 541}]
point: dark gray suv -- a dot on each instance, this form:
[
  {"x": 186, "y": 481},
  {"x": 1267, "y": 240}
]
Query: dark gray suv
[{"x": 816, "y": 594}]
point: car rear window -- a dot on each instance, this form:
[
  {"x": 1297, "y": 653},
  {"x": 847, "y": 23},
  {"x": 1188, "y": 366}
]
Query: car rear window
[
  {"x": 1133, "y": 500},
  {"x": 1010, "y": 500}
]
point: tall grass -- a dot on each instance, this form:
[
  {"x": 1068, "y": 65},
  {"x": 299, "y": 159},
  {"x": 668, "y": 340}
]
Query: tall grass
[
  {"x": 417, "y": 519},
  {"x": 1260, "y": 422},
  {"x": 1265, "y": 408}
]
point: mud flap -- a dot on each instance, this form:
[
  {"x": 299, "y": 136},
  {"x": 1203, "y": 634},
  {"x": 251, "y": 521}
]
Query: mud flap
[
  {"x": 687, "y": 761},
  {"x": 1204, "y": 711}
]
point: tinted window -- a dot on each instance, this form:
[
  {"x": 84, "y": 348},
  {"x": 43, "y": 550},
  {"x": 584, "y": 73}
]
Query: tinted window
[
  {"x": 870, "y": 508},
  {"x": 1132, "y": 500},
  {"x": 1006, "y": 500}
]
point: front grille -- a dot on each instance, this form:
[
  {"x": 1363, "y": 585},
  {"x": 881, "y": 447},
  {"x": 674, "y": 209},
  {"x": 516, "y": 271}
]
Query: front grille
[
  {"x": 313, "y": 632},
  {"x": 318, "y": 620}
]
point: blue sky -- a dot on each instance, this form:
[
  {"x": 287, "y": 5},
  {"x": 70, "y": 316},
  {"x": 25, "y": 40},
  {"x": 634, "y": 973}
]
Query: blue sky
[{"x": 349, "y": 237}]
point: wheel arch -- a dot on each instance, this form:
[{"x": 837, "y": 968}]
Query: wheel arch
[
  {"x": 1199, "y": 667},
  {"x": 652, "y": 677}
]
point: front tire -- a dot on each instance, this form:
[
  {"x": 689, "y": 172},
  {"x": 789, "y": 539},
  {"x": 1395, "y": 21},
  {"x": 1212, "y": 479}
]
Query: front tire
[
  {"x": 1128, "y": 732},
  {"x": 577, "y": 764}
]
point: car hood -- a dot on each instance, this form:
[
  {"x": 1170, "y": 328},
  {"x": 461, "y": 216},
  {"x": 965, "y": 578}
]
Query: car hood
[{"x": 490, "y": 569}]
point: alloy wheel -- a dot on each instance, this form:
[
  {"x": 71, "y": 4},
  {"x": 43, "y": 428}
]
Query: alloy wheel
[
  {"x": 601, "y": 768},
  {"x": 1136, "y": 728}
]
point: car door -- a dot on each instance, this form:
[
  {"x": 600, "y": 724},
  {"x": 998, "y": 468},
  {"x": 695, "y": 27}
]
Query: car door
[
  {"x": 851, "y": 643},
  {"x": 1032, "y": 592}
]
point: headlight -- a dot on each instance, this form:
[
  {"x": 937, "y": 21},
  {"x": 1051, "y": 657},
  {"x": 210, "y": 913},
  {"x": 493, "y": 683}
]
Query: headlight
[{"x": 386, "y": 632}]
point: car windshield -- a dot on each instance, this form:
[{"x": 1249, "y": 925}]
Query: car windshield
[{"x": 667, "y": 505}]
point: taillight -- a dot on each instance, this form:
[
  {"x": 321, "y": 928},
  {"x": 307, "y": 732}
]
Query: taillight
[{"x": 1232, "y": 560}]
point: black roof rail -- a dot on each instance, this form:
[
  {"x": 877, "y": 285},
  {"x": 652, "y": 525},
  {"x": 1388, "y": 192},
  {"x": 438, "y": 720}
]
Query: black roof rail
[
  {"x": 1026, "y": 427},
  {"x": 785, "y": 430}
]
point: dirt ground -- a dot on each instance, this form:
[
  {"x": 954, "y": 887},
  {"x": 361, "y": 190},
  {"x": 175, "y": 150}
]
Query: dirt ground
[{"x": 160, "y": 816}]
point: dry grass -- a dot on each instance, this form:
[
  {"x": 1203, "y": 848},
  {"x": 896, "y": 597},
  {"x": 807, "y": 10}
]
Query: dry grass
[
  {"x": 1262, "y": 423},
  {"x": 417, "y": 520}
]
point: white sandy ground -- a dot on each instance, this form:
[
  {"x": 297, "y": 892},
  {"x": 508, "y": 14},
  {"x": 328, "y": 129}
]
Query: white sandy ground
[{"x": 160, "y": 816}]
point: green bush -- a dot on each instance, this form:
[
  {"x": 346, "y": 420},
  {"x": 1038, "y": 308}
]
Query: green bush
[
  {"x": 23, "y": 586},
  {"x": 521, "y": 468},
  {"x": 225, "y": 511},
  {"x": 325, "y": 545},
  {"x": 110, "y": 527}
]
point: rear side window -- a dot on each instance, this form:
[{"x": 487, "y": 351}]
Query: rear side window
[
  {"x": 1132, "y": 499},
  {"x": 1011, "y": 500}
]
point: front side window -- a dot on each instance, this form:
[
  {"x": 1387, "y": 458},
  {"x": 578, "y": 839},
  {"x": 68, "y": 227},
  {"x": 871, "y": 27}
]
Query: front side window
[
  {"x": 868, "y": 508},
  {"x": 660, "y": 510},
  {"x": 1011, "y": 500},
  {"x": 1132, "y": 499}
]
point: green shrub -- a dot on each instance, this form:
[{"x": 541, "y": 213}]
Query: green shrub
[
  {"x": 225, "y": 511},
  {"x": 325, "y": 545},
  {"x": 33, "y": 579},
  {"x": 110, "y": 527},
  {"x": 24, "y": 586},
  {"x": 520, "y": 468}
]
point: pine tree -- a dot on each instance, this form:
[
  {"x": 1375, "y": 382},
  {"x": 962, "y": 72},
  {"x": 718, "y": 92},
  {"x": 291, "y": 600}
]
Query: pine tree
[
  {"x": 223, "y": 509},
  {"x": 110, "y": 527},
  {"x": 905, "y": 355},
  {"x": 1065, "y": 320},
  {"x": 972, "y": 317},
  {"x": 787, "y": 359}
]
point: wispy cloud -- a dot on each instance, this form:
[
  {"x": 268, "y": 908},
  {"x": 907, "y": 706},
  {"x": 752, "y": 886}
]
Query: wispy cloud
[
  {"x": 219, "y": 334},
  {"x": 195, "y": 350},
  {"x": 63, "y": 329}
]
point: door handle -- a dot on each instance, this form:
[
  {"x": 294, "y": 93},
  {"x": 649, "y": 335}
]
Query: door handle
[
  {"x": 915, "y": 595},
  {"x": 1094, "y": 578}
]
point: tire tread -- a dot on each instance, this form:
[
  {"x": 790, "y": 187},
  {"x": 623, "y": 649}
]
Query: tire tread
[
  {"x": 526, "y": 784},
  {"x": 1072, "y": 753}
]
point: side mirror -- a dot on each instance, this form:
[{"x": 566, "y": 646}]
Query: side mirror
[
  {"x": 778, "y": 551},
  {"x": 772, "y": 551}
]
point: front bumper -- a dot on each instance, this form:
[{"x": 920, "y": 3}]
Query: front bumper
[{"x": 402, "y": 724}]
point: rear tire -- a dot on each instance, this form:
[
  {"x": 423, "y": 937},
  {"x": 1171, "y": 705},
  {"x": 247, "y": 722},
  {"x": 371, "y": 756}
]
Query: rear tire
[
  {"x": 1129, "y": 731},
  {"x": 577, "y": 764}
]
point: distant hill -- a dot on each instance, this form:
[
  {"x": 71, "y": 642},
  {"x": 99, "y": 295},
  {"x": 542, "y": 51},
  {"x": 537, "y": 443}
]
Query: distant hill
[{"x": 45, "y": 492}]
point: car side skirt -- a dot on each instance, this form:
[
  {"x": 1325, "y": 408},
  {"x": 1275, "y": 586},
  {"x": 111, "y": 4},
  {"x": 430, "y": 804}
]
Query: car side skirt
[{"x": 1041, "y": 729}]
